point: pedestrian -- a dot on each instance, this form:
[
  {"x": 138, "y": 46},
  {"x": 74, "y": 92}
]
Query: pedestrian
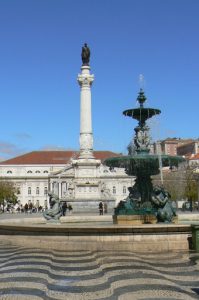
[
  {"x": 70, "y": 208},
  {"x": 30, "y": 207},
  {"x": 64, "y": 208},
  {"x": 26, "y": 208},
  {"x": 105, "y": 208},
  {"x": 101, "y": 208},
  {"x": 21, "y": 208}
]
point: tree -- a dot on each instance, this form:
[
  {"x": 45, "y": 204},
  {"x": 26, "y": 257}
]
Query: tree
[
  {"x": 173, "y": 182},
  {"x": 181, "y": 184},
  {"x": 7, "y": 193},
  {"x": 191, "y": 188}
]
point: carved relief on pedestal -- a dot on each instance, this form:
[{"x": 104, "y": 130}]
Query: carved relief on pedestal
[
  {"x": 70, "y": 190},
  {"x": 85, "y": 172},
  {"x": 87, "y": 188},
  {"x": 105, "y": 192}
]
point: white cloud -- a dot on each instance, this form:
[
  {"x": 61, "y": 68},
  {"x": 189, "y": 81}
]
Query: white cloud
[
  {"x": 22, "y": 136},
  {"x": 54, "y": 148},
  {"x": 8, "y": 150}
]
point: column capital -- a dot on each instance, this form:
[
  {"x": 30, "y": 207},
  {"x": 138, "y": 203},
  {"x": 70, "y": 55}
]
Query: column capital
[{"x": 85, "y": 80}]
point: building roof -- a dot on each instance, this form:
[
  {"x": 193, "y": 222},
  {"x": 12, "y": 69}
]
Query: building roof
[
  {"x": 187, "y": 144},
  {"x": 53, "y": 157},
  {"x": 178, "y": 141},
  {"x": 196, "y": 156}
]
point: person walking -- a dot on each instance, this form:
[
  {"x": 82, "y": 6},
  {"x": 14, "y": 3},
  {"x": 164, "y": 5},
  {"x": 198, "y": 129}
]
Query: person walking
[
  {"x": 26, "y": 208},
  {"x": 70, "y": 208},
  {"x": 64, "y": 208},
  {"x": 105, "y": 208},
  {"x": 101, "y": 208}
]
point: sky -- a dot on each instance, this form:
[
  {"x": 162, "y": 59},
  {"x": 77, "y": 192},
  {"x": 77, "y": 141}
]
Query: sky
[{"x": 40, "y": 58}]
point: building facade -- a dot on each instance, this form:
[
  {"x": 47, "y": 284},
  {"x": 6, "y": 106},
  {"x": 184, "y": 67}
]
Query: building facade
[
  {"x": 37, "y": 173},
  {"x": 189, "y": 149},
  {"x": 176, "y": 146}
]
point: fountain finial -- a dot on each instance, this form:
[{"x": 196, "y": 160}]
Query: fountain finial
[{"x": 141, "y": 97}]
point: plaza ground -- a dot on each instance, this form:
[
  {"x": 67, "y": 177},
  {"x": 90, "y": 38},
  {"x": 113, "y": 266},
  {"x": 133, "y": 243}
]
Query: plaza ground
[{"x": 31, "y": 272}]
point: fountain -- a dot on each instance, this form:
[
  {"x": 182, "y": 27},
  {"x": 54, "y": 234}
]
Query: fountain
[{"x": 145, "y": 203}]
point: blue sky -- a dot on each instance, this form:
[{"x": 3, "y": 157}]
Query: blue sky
[{"x": 40, "y": 59}]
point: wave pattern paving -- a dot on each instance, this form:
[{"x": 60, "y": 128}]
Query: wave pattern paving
[{"x": 37, "y": 274}]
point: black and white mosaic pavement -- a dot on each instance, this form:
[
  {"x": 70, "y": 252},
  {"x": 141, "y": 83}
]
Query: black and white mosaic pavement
[{"x": 84, "y": 275}]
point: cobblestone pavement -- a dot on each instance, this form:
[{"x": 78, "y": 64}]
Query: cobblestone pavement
[{"x": 84, "y": 275}]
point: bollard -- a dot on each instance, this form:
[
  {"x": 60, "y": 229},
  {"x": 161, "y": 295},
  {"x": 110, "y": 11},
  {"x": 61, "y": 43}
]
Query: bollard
[{"x": 195, "y": 237}]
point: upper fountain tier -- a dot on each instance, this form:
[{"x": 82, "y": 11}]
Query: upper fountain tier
[
  {"x": 142, "y": 113},
  {"x": 141, "y": 162}
]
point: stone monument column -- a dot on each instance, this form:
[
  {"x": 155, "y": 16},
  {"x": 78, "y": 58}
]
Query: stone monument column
[{"x": 85, "y": 80}]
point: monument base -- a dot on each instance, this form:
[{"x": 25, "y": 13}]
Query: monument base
[{"x": 90, "y": 206}]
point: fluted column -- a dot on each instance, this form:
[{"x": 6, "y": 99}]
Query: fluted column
[{"x": 85, "y": 80}]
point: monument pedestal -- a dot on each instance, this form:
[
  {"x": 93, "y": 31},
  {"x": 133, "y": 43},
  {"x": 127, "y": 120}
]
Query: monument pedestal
[
  {"x": 87, "y": 188},
  {"x": 90, "y": 206}
]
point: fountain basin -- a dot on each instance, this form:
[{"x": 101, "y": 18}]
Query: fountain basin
[
  {"x": 143, "y": 163},
  {"x": 99, "y": 236},
  {"x": 94, "y": 232},
  {"x": 141, "y": 114}
]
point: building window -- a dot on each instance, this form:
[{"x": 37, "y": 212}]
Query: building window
[
  {"x": 114, "y": 190},
  {"x": 29, "y": 171},
  {"x": 37, "y": 171},
  {"x": 45, "y": 190},
  {"x": 9, "y": 172},
  {"x": 124, "y": 189},
  {"x": 37, "y": 190},
  {"x": 45, "y": 171},
  {"x": 29, "y": 190}
]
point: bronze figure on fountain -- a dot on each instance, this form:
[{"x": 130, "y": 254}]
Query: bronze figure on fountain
[{"x": 54, "y": 212}]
